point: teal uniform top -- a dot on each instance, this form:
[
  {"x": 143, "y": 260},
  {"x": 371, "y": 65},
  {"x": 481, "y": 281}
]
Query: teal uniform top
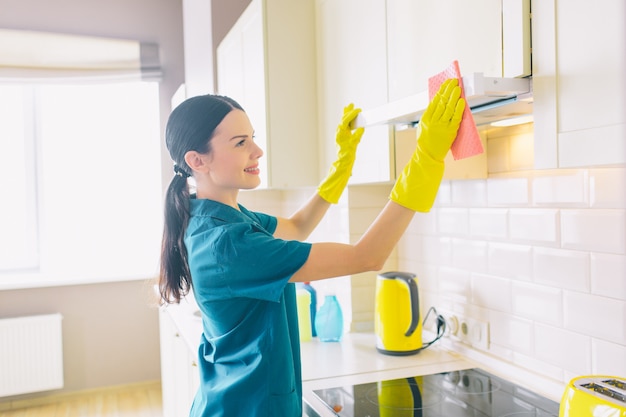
[{"x": 249, "y": 354}]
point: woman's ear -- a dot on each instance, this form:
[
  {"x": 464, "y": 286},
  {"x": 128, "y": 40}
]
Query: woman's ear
[{"x": 196, "y": 161}]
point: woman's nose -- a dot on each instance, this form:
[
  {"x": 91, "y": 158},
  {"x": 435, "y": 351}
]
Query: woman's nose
[{"x": 258, "y": 152}]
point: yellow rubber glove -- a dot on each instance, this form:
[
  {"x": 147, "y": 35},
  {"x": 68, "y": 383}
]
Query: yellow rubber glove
[
  {"x": 332, "y": 186},
  {"x": 417, "y": 185}
]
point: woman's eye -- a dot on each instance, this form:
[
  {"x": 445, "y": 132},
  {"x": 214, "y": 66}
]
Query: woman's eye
[{"x": 241, "y": 143}]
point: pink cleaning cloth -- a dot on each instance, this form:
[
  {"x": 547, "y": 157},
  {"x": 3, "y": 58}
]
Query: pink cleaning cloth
[{"x": 467, "y": 142}]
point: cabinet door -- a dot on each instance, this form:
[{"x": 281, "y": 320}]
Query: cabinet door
[
  {"x": 579, "y": 59},
  {"x": 352, "y": 68},
  {"x": 179, "y": 370},
  {"x": 590, "y": 91},
  {"x": 168, "y": 364},
  {"x": 267, "y": 63},
  {"x": 424, "y": 37},
  {"x": 241, "y": 73}
]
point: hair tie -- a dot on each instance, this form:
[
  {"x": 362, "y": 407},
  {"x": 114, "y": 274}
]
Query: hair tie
[{"x": 181, "y": 172}]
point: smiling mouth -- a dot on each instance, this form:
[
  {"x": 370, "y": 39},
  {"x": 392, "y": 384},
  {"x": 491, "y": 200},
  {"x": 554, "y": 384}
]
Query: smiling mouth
[{"x": 252, "y": 170}]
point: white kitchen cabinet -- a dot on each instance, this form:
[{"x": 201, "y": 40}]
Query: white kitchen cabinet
[
  {"x": 377, "y": 53},
  {"x": 424, "y": 37},
  {"x": 267, "y": 63},
  {"x": 179, "y": 369},
  {"x": 488, "y": 37},
  {"x": 352, "y": 62},
  {"x": 578, "y": 74}
]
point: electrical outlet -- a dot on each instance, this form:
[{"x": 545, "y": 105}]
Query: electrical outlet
[{"x": 468, "y": 330}]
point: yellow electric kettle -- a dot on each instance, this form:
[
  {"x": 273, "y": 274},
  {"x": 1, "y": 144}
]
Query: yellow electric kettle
[{"x": 397, "y": 321}]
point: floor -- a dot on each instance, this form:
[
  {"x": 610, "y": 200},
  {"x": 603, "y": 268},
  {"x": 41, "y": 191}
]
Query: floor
[{"x": 142, "y": 400}]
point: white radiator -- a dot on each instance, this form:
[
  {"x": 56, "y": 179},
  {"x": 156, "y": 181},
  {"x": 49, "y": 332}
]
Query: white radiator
[{"x": 31, "y": 354}]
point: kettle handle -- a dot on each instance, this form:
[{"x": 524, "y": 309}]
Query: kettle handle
[
  {"x": 414, "y": 297},
  {"x": 415, "y": 306}
]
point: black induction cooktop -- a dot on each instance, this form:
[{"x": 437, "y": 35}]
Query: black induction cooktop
[{"x": 470, "y": 392}]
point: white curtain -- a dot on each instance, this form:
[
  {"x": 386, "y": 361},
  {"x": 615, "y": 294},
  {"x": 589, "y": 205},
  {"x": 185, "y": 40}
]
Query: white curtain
[{"x": 28, "y": 56}]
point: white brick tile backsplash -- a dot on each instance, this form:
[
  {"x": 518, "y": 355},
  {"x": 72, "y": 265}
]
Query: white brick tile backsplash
[
  {"x": 511, "y": 332},
  {"x": 362, "y": 218},
  {"x": 437, "y": 250},
  {"x": 608, "y": 358},
  {"x": 491, "y": 292},
  {"x": 455, "y": 283},
  {"x": 563, "y": 189},
  {"x": 371, "y": 195},
  {"x": 538, "y": 302},
  {"x": 427, "y": 276},
  {"x": 542, "y": 368},
  {"x": 424, "y": 223},
  {"x": 469, "y": 254},
  {"x": 540, "y": 255},
  {"x": 561, "y": 268},
  {"x": 363, "y": 299},
  {"x": 568, "y": 350},
  {"x": 488, "y": 223},
  {"x": 601, "y": 230},
  {"x": 510, "y": 260},
  {"x": 267, "y": 201},
  {"x": 507, "y": 192},
  {"x": 608, "y": 188},
  {"x": 469, "y": 193},
  {"x": 411, "y": 247},
  {"x": 608, "y": 275},
  {"x": 600, "y": 317},
  {"x": 538, "y": 226},
  {"x": 453, "y": 221},
  {"x": 444, "y": 194}
]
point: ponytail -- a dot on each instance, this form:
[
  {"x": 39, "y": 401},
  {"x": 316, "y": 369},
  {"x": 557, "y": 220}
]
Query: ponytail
[
  {"x": 190, "y": 127},
  {"x": 175, "y": 278}
]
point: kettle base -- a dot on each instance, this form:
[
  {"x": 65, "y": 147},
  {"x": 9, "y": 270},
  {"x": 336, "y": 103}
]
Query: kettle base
[{"x": 398, "y": 352}]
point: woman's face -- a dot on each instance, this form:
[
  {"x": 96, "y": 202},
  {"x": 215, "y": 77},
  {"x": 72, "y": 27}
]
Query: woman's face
[{"x": 234, "y": 158}]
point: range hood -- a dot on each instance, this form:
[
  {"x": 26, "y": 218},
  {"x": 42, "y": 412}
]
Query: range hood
[{"x": 490, "y": 99}]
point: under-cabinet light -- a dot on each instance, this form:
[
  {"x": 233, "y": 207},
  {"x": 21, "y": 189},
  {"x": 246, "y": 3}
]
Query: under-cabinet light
[{"x": 527, "y": 118}]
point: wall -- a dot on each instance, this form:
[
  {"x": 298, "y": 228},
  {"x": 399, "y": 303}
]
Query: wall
[
  {"x": 541, "y": 256},
  {"x": 110, "y": 331},
  {"x": 538, "y": 254}
]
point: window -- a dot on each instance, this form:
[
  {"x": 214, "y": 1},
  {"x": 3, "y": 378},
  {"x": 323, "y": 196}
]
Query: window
[{"x": 81, "y": 182}]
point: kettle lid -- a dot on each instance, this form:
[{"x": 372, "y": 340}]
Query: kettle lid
[{"x": 396, "y": 274}]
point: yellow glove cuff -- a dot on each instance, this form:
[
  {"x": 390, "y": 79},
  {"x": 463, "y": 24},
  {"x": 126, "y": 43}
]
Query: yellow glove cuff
[
  {"x": 417, "y": 186},
  {"x": 335, "y": 182}
]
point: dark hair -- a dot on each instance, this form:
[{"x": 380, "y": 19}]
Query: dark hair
[{"x": 190, "y": 127}]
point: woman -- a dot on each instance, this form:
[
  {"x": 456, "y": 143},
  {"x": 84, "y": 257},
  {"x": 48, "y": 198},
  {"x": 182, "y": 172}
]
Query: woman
[{"x": 242, "y": 265}]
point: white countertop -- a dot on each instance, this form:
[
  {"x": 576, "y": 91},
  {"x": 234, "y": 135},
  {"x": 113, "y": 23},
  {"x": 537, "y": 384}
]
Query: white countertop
[
  {"x": 356, "y": 354},
  {"x": 355, "y": 360}
]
